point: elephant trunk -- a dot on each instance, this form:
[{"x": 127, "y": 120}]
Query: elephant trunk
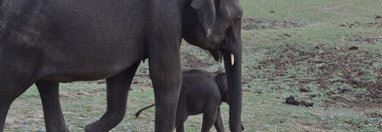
[{"x": 232, "y": 62}]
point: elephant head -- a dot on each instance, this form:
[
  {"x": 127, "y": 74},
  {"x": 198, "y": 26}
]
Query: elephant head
[{"x": 223, "y": 40}]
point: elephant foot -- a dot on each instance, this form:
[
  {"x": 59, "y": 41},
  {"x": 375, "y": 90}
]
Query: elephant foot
[
  {"x": 93, "y": 128},
  {"x": 106, "y": 123}
]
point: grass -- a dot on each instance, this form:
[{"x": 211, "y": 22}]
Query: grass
[{"x": 279, "y": 60}]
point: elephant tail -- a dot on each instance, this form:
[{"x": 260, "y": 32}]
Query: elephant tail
[{"x": 140, "y": 111}]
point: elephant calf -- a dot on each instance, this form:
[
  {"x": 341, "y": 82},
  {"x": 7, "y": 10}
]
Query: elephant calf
[{"x": 201, "y": 92}]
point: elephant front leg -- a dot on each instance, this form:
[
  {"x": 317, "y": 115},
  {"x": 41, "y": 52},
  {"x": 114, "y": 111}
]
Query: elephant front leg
[
  {"x": 163, "y": 41},
  {"x": 165, "y": 73},
  {"x": 117, "y": 94},
  {"x": 54, "y": 120}
]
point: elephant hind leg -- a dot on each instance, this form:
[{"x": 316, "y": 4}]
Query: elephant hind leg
[
  {"x": 54, "y": 120},
  {"x": 179, "y": 123},
  {"x": 8, "y": 93},
  {"x": 209, "y": 118},
  {"x": 117, "y": 94},
  {"x": 180, "y": 127},
  {"x": 219, "y": 122},
  {"x": 4, "y": 107}
]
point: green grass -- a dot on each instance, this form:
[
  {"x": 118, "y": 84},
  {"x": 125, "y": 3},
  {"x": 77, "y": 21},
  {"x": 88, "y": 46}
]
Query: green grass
[{"x": 322, "y": 23}]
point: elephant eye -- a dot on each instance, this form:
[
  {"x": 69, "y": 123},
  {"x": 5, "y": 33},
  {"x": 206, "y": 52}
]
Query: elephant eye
[
  {"x": 238, "y": 16},
  {"x": 237, "y": 19}
]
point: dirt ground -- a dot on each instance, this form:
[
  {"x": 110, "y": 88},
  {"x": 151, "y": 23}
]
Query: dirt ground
[{"x": 326, "y": 64}]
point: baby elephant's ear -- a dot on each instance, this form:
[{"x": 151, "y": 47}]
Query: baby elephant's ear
[
  {"x": 206, "y": 14},
  {"x": 221, "y": 80}
]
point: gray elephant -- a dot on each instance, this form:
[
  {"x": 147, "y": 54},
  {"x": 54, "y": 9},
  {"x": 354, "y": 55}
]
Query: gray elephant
[
  {"x": 45, "y": 42},
  {"x": 202, "y": 92}
]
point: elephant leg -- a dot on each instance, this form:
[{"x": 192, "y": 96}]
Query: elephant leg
[
  {"x": 180, "y": 127},
  {"x": 219, "y": 122},
  {"x": 54, "y": 120},
  {"x": 4, "y": 107},
  {"x": 181, "y": 117},
  {"x": 117, "y": 94},
  {"x": 209, "y": 118},
  {"x": 163, "y": 44},
  {"x": 9, "y": 91},
  {"x": 166, "y": 79}
]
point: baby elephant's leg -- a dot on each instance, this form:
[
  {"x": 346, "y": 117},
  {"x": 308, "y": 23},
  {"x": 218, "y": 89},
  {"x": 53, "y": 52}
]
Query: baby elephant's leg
[
  {"x": 219, "y": 122},
  {"x": 209, "y": 119},
  {"x": 181, "y": 117}
]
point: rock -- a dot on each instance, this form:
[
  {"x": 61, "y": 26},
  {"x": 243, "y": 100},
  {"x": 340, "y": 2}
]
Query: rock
[{"x": 292, "y": 101}]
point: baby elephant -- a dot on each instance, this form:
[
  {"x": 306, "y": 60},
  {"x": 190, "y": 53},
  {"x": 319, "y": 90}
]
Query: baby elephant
[{"x": 201, "y": 92}]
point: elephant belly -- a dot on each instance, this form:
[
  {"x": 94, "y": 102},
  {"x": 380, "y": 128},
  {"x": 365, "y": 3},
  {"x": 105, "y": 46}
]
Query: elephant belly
[
  {"x": 75, "y": 40},
  {"x": 68, "y": 73},
  {"x": 89, "y": 62},
  {"x": 197, "y": 106},
  {"x": 92, "y": 43}
]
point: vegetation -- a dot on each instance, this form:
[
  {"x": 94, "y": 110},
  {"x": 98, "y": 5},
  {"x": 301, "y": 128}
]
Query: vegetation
[{"x": 323, "y": 52}]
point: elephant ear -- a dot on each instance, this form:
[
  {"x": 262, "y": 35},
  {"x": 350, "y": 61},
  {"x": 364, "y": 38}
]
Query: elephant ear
[{"x": 206, "y": 14}]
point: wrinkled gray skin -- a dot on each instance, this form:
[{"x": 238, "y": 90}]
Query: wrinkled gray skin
[
  {"x": 45, "y": 42},
  {"x": 201, "y": 93}
]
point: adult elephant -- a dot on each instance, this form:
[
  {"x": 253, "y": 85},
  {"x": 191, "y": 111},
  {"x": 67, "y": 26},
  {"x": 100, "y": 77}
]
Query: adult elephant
[{"x": 45, "y": 42}]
